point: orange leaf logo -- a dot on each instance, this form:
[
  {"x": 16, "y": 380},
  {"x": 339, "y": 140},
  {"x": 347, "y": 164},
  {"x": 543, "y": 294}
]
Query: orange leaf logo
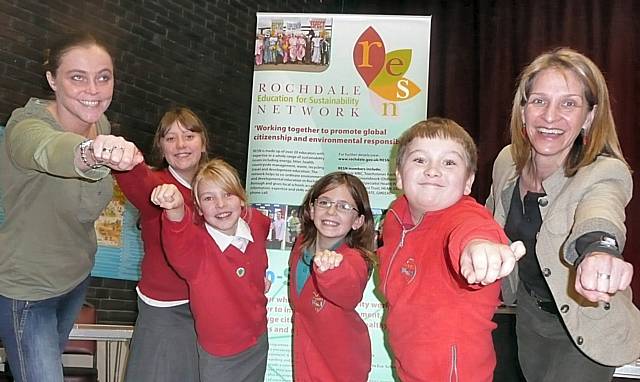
[{"x": 384, "y": 73}]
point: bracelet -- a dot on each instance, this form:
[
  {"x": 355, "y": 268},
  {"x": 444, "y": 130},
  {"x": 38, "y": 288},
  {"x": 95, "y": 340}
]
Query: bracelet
[{"x": 84, "y": 146}]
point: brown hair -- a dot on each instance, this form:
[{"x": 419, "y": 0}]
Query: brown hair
[
  {"x": 361, "y": 239},
  {"x": 601, "y": 137},
  {"x": 60, "y": 47},
  {"x": 443, "y": 128},
  {"x": 190, "y": 121}
]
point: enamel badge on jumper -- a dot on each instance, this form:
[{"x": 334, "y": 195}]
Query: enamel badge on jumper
[
  {"x": 317, "y": 301},
  {"x": 408, "y": 270}
]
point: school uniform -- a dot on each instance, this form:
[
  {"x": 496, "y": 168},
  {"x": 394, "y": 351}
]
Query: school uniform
[
  {"x": 225, "y": 275},
  {"x": 163, "y": 347},
  {"x": 330, "y": 339},
  {"x": 439, "y": 325}
]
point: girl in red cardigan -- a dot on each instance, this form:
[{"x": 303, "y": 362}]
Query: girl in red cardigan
[
  {"x": 330, "y": 264},
  {"x": 223, "y": 260},
  {"x": 163, "y": 347}
]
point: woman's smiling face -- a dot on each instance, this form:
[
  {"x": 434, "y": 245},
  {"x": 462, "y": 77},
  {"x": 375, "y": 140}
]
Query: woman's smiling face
[{"x": 555, "y": 113}]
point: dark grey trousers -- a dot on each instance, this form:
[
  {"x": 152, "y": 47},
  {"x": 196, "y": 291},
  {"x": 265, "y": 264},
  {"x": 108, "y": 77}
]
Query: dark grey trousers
[{"x": 545, "y": 350}]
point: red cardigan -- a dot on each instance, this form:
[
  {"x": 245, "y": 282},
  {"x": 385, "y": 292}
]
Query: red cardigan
[
  {"x": 330, "y": 340},
  {"x": 159, "y": 281},
  {"x": 226, "y": 287},
  {"x": 439, "y": 326}
]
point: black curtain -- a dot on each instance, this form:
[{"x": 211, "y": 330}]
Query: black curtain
[{"x": 478, "y": 48}]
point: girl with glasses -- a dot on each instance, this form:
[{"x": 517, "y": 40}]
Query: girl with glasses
[{"x": 330, "y": 265}]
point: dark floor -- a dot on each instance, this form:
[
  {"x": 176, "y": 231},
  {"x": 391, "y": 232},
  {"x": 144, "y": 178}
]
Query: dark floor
[{"x": 504, "y": 339}]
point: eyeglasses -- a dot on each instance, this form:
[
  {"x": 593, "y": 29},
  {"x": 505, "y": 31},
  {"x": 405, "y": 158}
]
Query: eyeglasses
[{"x": 341, "y": 206}]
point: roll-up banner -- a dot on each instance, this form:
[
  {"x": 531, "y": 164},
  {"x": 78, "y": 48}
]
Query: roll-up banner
[{"x": 330, "y": 93}]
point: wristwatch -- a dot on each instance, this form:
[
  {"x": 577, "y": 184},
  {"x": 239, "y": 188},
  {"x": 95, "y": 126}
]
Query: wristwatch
[{"x": 608, "y": 241}]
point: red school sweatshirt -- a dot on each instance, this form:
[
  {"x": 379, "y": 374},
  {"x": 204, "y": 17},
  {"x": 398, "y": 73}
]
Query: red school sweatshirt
[
  {"x": 226, "y": 287},
  {"x": 330, "y": 339},
  {"x": 439, "y": 326},
  {"x": 158, "y": 280}
]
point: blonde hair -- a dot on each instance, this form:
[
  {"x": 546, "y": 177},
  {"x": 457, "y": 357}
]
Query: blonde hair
[
  {"x": 223, "y": 175},
  {"x": 443, "y": 128},
  {"x": 187, "y": 119},
  {"x": 600, "y": 138}
]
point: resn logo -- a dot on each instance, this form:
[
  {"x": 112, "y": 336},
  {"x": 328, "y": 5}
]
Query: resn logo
[{"x": 384, "y": 73}]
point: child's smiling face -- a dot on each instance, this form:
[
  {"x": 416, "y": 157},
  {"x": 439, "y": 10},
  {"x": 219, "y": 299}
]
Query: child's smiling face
[
  {"x": 220, "y": 208},
  {"x": 335, "y": 221},
  {"x": 434, "y": 175}
]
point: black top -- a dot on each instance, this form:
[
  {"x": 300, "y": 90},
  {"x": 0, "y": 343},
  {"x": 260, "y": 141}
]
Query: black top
[{"x": 523, "y": 224}]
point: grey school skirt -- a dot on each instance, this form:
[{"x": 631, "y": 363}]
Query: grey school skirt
[
  {"x": 163, "y": 347},
  {"x": 248, "y": 366}
]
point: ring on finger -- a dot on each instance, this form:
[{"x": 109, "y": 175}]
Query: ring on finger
[
  {"x": 604, "y": 276},
  {"x": 107, "y": 149}
]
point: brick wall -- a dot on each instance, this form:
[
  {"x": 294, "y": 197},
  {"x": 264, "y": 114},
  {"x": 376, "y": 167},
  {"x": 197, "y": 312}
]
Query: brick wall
[
  {"x": 115, "y": 300},
  {"x": 196, "y": 53}
]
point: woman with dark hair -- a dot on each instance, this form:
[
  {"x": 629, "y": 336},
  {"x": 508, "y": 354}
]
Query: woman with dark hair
[
  {"x": 561, "y": 187},
  {"x": 54, "y": 171},
  {"x": 163, "y": 347}
]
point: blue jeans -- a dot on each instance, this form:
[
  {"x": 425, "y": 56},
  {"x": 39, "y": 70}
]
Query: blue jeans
[{"x": 34, "y": 333}]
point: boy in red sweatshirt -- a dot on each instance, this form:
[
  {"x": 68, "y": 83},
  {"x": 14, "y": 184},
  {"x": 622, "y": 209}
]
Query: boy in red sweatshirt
[{"x": 442, "y": 252}]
